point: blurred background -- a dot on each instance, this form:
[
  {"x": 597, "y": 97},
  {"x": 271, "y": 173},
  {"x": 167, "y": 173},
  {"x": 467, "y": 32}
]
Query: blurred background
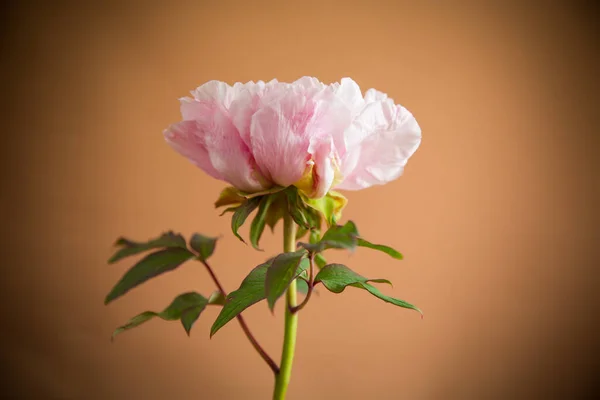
[{"x": 496, "y": 213}]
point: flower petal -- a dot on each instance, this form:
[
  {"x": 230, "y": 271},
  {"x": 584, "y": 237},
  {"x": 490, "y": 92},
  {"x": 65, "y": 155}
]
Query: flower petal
[
  {"x": 279, "y": 138},
  {"x": 213, "y": 143},
  {"x": 183, "y": 138},
  {"x": 380, "y": 142}
]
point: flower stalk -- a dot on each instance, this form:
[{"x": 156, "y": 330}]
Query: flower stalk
[{"x": 282, "y": 379}]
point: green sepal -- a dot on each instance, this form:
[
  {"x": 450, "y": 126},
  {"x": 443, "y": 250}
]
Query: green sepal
[
  {"x": 186, "y": 307},
  {"x": 258, "y": 223},
  {"x": 241, "y": 214},
  {"x": 230, "y": 196},
  {"x": 282, "y": 271},
  {"x": 131, "y": 248},
  {"x": 150, "y": 266},
  {"x": 203, "y": 245},
  {"x": 329, "y": 206}
]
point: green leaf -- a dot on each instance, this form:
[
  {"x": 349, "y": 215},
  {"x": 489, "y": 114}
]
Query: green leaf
[
  {"x": 241, "y": 213},
  {"x": 251, "y": 291},
  {"x": 302, "y": 286},
  {"x": 203, "y": 245},
  {"x": 397, "y": 302},
  {"x": 386, "y": 249},
  {"x": 186, "y": 306},
  {"x": 131, "y": 248},
  {"x": 320, "y": 260},
  {"x": 259, "y": 221},
  {"x": 150, "y": 266},
  {"x": 336, "y": 277},
  {"x": 282, "y": 271},
  {"x": 315, "y": 237},
  {"x": 336, "y": 237}
]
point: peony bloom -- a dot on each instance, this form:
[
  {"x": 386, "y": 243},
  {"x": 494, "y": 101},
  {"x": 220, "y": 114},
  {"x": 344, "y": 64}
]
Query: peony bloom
[{"x": 317, "y": 137}]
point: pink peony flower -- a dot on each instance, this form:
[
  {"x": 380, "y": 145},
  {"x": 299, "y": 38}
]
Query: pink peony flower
[{"x": 317, "y": 137}]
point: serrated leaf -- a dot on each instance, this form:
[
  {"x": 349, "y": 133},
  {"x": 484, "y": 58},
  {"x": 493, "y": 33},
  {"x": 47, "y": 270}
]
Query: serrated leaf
[
  {"x": 203, "y": 245},
  {"x": 131, "y": 248},
  {"x": 251, "y": 291},
  {"x": 386, "y": 249},
  {"x": 241, "y": 214},
  {"x": 336, "y": 237},
  {"x": 258, "y": 223},
  {"x": 150, "y": 266},
  {"x": 282, "y": 271},
  {"x": 186, "y": 306},
  {"x": 397, "y": 302},
  {"x": 335, "y": 277}
]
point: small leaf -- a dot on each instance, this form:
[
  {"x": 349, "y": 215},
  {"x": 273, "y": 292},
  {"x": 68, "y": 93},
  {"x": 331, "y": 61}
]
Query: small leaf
[
  {"x": 150, "y": 266},
  {"x": 203, "y": 245},
  {"x": 335, "y": 277},
  {"x": 251, "y": 291},
  {"x": 336, "y": 237},
  {"x": 320, "y": 260},
  {"x": 216, "y": 298},
  {"x": 282, "y": 271},
  {"x": 131, "y": 248},
  {"x": 258, "y": 223},
  {"x": 302, "y": 286},
  {"x": 241, "y": 213},
  {"x": 315, "y": 237},
  {"x": 186, "y": 306},
  {"x": 386, "y": 249}
]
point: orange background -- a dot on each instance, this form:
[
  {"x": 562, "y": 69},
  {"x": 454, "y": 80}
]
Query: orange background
[{"x": 493, "y": 213}]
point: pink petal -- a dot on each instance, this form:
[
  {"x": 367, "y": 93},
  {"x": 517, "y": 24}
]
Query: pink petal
[
  {"x": 223, "y": 154},
  {"x": 325, "y": 165},
  {"x": 279, "y": 138},
  {"x": 381, "y": 140},
  {"x": 183, "y": 138}
]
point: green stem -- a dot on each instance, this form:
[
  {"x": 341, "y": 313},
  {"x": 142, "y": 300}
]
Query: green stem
[{"x": 282, "y": 379}]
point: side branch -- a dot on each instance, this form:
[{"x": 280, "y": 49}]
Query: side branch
[{"x": 243, "y": 324}]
